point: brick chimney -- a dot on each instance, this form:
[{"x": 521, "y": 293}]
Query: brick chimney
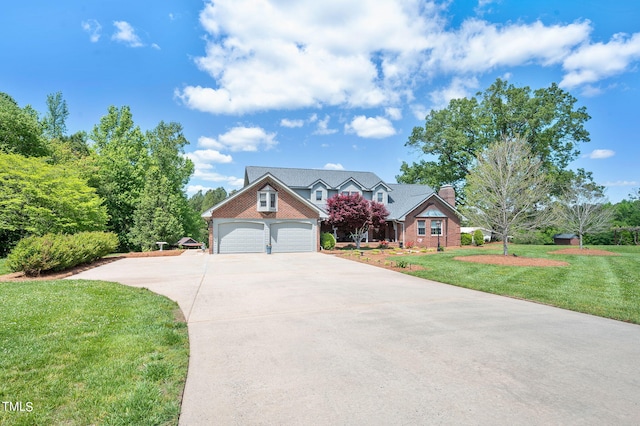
[{"x": 448, "y": 193}]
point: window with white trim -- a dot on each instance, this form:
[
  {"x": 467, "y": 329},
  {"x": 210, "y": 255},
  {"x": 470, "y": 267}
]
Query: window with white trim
[
  {"x": 422, "y": 227},
  {"x": 319, "y": 195},
  {"x": 436, "y": 227},
  {"x": 380, "y": 197},
  {"x": 267, "y": 199}
]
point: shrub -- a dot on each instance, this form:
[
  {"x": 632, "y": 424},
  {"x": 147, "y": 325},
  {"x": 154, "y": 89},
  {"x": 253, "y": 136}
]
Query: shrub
[
  {"x": 409, "y": 244},
  {"x": 466, "y": 239},
  {"x": 383, "y": 245},
  {"x": 57, "y": 252},
  {"x": 327, "y": 241},
  {"x": 478, "y": 237},
  {"x": 402, "y": 263}
]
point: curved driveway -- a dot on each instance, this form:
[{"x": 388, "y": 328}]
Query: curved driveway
[{"x": 314, "y": 339}]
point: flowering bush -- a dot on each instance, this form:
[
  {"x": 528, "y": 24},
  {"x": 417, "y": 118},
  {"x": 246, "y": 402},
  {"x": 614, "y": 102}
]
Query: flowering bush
[
  {"x": 383, "y": 245},
  {"x": 409, "y": 244}
]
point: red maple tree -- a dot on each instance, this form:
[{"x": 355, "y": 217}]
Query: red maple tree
[{"x": 355, "y": 213}]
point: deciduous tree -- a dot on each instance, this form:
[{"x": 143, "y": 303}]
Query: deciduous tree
[
  {"x": 122, "y": 162},
  {"x": 583, "y": 208},
  {"x": 54, "y": 123},
  {"x": 20, "y": 132},
  {"x": 507, "y": 190},
  {"x": 547, "y": 119},
  {"x": 37, "y": 198},
  {"x": 355, "y": 214}
]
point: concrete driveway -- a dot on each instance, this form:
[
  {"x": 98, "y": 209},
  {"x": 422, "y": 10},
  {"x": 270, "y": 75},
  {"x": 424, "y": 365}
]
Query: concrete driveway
[{"x": 312, "y": 339}]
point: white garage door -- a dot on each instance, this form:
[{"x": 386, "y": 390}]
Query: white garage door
[
  {"x": 241, "y": 237},
  {"x": 288, "y": 237}
]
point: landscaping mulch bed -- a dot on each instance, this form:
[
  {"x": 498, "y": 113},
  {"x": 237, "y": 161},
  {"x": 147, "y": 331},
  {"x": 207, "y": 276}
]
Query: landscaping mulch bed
[
  {"x": 499, "y": 259},
  {"x": 384, "y": 260}
]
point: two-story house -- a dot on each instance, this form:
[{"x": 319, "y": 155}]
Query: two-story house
[{"x": 286, "y": 209}]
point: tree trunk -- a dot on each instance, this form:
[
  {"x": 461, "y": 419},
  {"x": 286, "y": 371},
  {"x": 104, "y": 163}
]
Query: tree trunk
[
  {"x": 580, "y": 241},
  {"x": 505, "y": 248}
]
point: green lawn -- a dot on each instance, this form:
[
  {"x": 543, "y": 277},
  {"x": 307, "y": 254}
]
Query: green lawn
[
  {"x": 607, "y": 286},
  {"x": 90, "y": 352}
]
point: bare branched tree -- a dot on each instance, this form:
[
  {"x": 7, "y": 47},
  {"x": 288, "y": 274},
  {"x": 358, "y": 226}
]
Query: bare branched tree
[
  {"x": 583, "y": 208},
  {"x": 507, "y": 190}
]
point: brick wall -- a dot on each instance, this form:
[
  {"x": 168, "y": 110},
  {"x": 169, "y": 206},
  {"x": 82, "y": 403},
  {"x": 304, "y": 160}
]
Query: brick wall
[
  {"x": 245, "y": 206},
  {"x": 450, "y": 227}
]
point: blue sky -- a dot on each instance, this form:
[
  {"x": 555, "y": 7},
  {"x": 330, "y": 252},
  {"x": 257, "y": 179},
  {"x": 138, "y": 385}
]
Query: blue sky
[{"x": 330, "y": 84}]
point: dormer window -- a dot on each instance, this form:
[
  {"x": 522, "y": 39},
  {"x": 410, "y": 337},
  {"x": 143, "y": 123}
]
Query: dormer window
[
  {"x": 380, "y": 197},
  {"x": 267, "y": 199}
]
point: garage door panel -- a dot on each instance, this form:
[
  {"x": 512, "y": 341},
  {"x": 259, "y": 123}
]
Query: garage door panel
[
  {"x": 241, "y": 237},
  {"x": 291, "y": 237}
]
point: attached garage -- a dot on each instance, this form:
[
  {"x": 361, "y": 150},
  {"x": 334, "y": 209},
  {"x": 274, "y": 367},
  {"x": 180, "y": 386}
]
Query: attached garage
[
  {"x": 291, "y": 237},
  {"x": 241, "y": 237},
  {"x": 264, "y": 216}
]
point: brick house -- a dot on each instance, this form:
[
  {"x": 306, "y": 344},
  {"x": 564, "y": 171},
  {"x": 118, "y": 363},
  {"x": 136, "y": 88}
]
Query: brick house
[{"x": 285, "y": 209}]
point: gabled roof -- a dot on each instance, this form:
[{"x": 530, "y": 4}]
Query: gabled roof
[
  {"x": 257, "y": 184},
  {"x": 304, "y": 178},
  {"x": 187, "y": 240},
  {"x": 402, "y": 198}
]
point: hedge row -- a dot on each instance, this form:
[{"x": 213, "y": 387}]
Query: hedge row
[{"x": 57, "y": 252}]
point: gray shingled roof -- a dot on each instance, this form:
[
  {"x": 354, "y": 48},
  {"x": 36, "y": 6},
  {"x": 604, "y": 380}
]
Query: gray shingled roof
[
  {"x": 406, "y": 197},
  {"x": 402, "y": 197},
  {"x": 303, "y": 178}
]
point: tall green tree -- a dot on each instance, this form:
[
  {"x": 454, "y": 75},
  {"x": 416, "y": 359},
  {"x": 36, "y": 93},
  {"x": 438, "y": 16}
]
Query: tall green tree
[
  {"x": 160, "y": 212},
  {"x": 37, "y": 198},
  {"x": 122, "y": 161},
  {"x": 547, "y": 119},
  {"x": 54, "y": 123},
  {"x": 507, "y": 190},
  {"x": 202, "y": 202},
  {"x": 164, "y": 211},
  {"x": 20, "y": 131}
]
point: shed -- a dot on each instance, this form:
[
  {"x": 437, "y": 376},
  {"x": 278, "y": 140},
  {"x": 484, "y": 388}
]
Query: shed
[
  {"x": 188, "y": 242},
  {"x": 566, "y": 240}
]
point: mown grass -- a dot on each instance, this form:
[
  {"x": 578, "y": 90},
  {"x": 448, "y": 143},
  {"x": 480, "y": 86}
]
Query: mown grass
[
  {"x": 90, "y": 352},
  {"x": 607, "y": 286}
]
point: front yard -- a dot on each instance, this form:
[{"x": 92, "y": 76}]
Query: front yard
[
  {"x": 80, "y": 352},
  {"x": 607, "y": 286}
]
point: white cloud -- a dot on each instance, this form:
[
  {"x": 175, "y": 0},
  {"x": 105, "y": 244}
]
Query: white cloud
[
  {"x": 598, "y": 154},
  {"x": 126, "y": 34},
  {"x": 209, "y": 156},
  {"x": 459, "y": 88},
  {"x": 419, "y": 111},
  {"x": 333, "y": 166},
  {"x": 94, "y": 29},
  {"x": 370, "y": 127},
  {"x": 594, "y": 62},
  {"x": 241, "y": 139},
  {"x": 373, "y": 53},
  {"x": 622, "y": 183},
  {"x": 285, "y": 122},
  {"x": 480, "y": 46},
  {"x": 393, "y": 113},
  {"x": 322, "y": 127},
  {"x": 297, "y": 51},
  {"x": 217, "y": 177}
]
